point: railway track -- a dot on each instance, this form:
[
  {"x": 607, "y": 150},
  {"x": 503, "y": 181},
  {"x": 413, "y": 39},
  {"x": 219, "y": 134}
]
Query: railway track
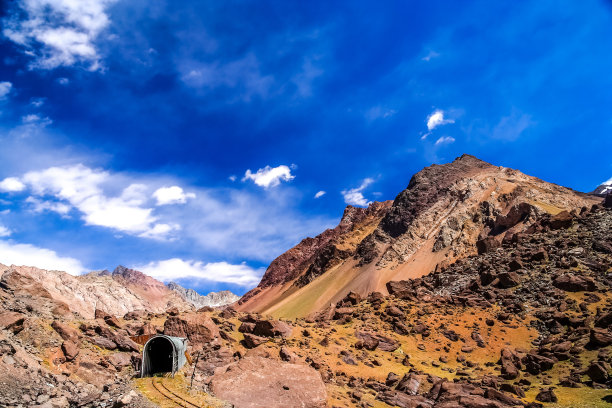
[{"x": 170, "y": 395}]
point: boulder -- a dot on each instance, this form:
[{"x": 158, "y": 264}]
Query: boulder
[
  {"x": 124, "y": 343},
  {"x": 508, "y": 280},
  {"x": 573, "y": 283},
  {"x": 10, "y": 320},
  {"x": 66, "y": 332},
  {"x": 70, "y": 350},
  {"x": 371, "y": 341},
  {"x": 272, "y": 328},
  {"x": 561, "y": 220},
  {"x": 252, "y": 341},
  {"x": 487, "y": 244},
  {"x": 402, "y": 400},
  {"x": 256, "y": 382},
  {"x": 401, "y": 289},
  {"x": 600, "y": 337},
  {"x": 197, "y": 327},
  {"x": 546, "y": 395}
]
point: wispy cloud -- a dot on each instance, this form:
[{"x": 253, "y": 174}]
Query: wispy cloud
[
  {"x": 269, "y": 176},
  {"x": 4, "y": 231},
  {"x": 354, "y": 196},
  {"x": 5, "y": 89},
  {"x": 58, "y": 32},
  {"x": 444, "y": 140},
  {"x": 512, "y": 126},
  {"x": 320, "y": 194}
]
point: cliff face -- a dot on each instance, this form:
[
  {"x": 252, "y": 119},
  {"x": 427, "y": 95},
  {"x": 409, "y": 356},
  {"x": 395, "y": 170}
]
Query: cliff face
[
  {"x": 440, "y": 217},
  {"x": 213, "y": 299},
  {"x": 123, "y": 291}
]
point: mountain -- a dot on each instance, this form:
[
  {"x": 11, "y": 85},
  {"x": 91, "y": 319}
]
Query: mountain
[
  {"x": 213, "y": 299},
  {"x": 604, "y": 189},
  {"x": 447, "y": 212},
  {"x": 116, "y": 293}
]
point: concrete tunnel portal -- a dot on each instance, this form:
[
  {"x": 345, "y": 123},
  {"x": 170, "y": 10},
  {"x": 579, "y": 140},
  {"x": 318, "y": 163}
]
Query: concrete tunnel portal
[{"x": 163, "y": 354}]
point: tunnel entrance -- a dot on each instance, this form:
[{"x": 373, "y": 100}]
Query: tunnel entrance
[{"x": 163, "y": 354}]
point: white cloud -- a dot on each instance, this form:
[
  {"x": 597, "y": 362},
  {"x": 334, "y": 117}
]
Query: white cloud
[
  {"x": 232, "y": 178},
  {"x": 37, "y": 102},
  {"x": 5, "y": 89},
  {"x": 436, "y": 119},
  {"x": 430, "y": 55},
  {"x": 176, "y": 268},
  {"x": 11, "y": 184},
  {"x": 320, "y": 194},
  {"x": 171, "y": 195},
  {"x": 444, "y": 140},
  {"x": 29, "y": 255},
  {"x": 63, "y": 81},
  {"x": 4, "y": 231},
  {"x": 269, "y": 176},
  {"x": 58, "y": 32},
  {"x": 354, "y": 196},
  {"x": 82, "y": 188}
]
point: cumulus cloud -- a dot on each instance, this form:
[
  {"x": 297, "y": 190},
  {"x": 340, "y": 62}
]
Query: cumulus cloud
[
  {"x": 269, "y": 176},
  {"x": 61, "y": 188},
  {"x": 436, "y": 119},
  {"x": 11, "y": 184},
  {"x": 5, "y": 89},
  {"x": 58, "y": 32},
  {"x": 29, "y": 255},
  {"x": 171, "y": 195},
  {"x": 354, "y": 196},
  {"x": 444, "y": 140},
  {"x": 4, "y": 231},
  {"x": 177, "y": 268},
  {"x": 320, "y": 194}
]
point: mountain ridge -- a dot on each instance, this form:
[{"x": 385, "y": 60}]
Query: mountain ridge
[{"x": 440, "y": 217}]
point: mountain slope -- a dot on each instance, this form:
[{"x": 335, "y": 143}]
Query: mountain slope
[
  {"x": 213, "y": 299},
  {"x": 439, "y": 218}
]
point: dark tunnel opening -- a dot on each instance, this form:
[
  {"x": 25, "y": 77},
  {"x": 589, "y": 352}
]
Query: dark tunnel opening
[{"x": 159, "y": 354}]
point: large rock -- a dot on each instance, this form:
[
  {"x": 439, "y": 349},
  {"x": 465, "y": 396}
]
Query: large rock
[
  {"x": 600, "y": 337},
  {"x": 9, "y": 320},
  {"x": 573, "y": 283},
  {"x": 66, "y": 332},
  {"x": 402, "y": 400},
  {"x": 256, "y": 382},
  {"x": 371, "y": 341},
  {"x": 272, "y": 328},
  {"x": 70, "y": 350},
  {"x": 197, "y": 327}
]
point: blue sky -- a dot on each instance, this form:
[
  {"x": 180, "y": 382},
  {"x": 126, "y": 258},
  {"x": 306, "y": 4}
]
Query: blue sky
[{"x": 199, "y": 140}]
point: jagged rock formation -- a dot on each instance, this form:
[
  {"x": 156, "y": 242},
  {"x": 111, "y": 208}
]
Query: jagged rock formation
[
  {"x": 58, "y": 293},
  {"x": 440, "y": 217},
  {"x": 213, "y": 299}
]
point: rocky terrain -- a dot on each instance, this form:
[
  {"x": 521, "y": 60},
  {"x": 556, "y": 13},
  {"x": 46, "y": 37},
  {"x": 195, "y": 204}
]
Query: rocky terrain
[
  {"x": 212, "y": 299},
  {"x": 436, "y": 220},
  {"x": 518, "y": 314}
]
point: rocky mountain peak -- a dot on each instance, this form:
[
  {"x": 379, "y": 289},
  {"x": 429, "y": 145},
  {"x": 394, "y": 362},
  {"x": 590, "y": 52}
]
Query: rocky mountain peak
[{"x": 212, "y": 299}]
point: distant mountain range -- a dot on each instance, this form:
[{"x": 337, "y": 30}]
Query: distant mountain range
[
  {"x": 117, "y": 293},
  {"x": 213, "y": 299}
]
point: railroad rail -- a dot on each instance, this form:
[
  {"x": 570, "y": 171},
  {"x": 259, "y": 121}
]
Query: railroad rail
[{"x": 171, "y": 395}]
